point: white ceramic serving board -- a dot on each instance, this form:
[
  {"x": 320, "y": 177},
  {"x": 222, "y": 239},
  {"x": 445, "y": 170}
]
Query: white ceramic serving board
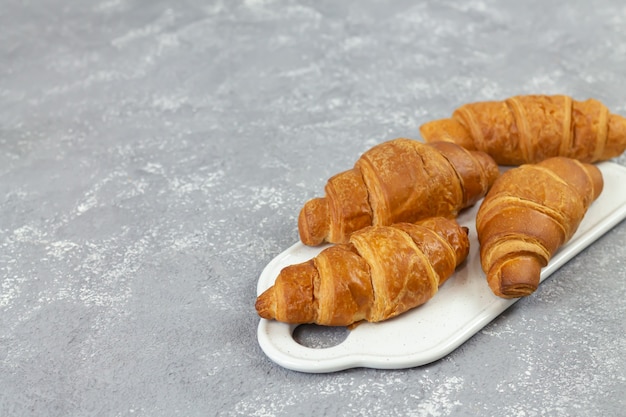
[{"x": 463, "y": 305}]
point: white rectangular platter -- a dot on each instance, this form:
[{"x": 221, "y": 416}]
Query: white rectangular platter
[{"x": 463, "y": 305}]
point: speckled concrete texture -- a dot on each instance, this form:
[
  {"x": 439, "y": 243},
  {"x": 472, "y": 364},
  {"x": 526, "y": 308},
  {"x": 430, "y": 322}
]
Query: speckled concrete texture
[{"x": 154, "y": 156}]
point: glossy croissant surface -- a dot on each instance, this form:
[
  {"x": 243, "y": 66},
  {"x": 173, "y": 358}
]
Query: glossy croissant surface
[
  {"x": 401, "y": 180},
  {"x": 528, "y": 214},
  {"x": 531, "y": 128},
  {"x": 382, "y": 272}
]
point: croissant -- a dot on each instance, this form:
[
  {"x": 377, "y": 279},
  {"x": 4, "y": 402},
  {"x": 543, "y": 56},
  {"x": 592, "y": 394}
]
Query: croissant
[
  {"x": 531, "y": 128},
  {"x": 528, "y": 214},
  {"x": 401, "y": 180},
  {"x": 380, "y": 273}
]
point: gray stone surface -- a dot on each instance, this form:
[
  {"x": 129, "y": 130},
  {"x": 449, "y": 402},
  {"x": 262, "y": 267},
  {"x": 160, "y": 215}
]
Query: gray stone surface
[{"x": 154, "y": 156}]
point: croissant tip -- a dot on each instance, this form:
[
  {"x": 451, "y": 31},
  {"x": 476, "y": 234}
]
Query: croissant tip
[
  {"x": 490, "y": 167},
  {"x": 313, "y": 222},
  {"x": 516, "y": 277},
  {"x": 596, "y": 179},
  {"x": 264, "y": 305},
  {"x": 446, "y": 130},
  {"x": 518, "y": 291}
]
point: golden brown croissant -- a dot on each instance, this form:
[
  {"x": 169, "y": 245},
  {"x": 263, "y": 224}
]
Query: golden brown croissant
[
  {"x": 401, "y": 180},
  {"x": 529, "y": 213},
  {"x": 529, "y": 129},
  {"x": 382, "y": 272}
]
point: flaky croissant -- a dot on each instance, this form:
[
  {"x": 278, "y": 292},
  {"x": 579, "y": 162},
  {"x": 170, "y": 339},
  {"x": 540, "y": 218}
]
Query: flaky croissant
[
  {"x": 382, "y": 272},
  {"x": 401, "y": 180},
  {"x": 528, "y": 214},
  {"x": 531, "y": 128}
]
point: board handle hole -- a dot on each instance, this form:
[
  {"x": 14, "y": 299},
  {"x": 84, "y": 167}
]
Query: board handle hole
[{"x": 319, "y": 337}]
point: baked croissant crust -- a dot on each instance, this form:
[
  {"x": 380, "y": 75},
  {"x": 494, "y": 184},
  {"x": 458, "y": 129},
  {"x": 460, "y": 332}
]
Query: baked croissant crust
[
  {"x": 528, "y": 214},
  {"x": 531, "y": 128},
  {"x": 401, "y": 180},
  {"x": 382, "y": 272}
]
